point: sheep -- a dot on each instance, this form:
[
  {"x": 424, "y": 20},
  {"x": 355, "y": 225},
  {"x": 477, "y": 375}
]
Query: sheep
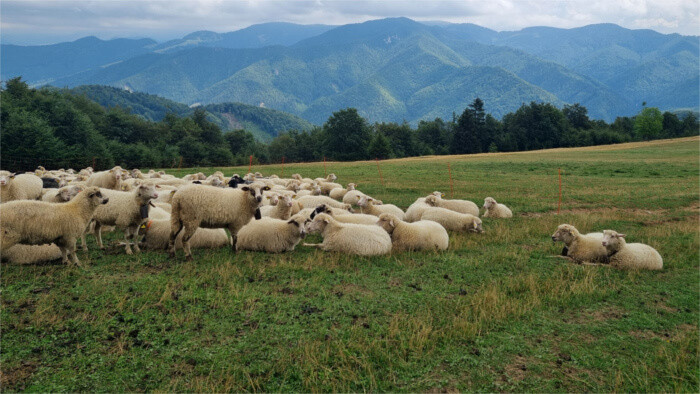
[
  {"x": 315, "y": 191},
  {"x": 352, "y": 197},
  {"x": 370, "y": 206},
  {"x": 156, "y": 234},
  {"x": 326, "y": 187},
  {"x": 339, "y": 192},
  {"x": 350, "y": 238},
  {"x": 111, "y": 179},
  {"x": 213, "y": 181},
  {"x": 421, "y": 235},
  {"x": 282, "y": 210},
  {"x": 19, "y": 187},
  {"x": 164, "y": 206},
  {"x": 29, "y": 254},
  {"x": 157, "y": 213},
  {"x": 126, "y": 210},
  {"x": 40, "y": 222},
  {"x": 496, "y": 210},
  {"x": 272, "y": 235},
  {"x": 461, "y": 206},
  {"x": 329, "y": 178},
  {"x": 194, "y": 177},
  {"x": 341, "y": 215},
  {"x": 314, "y": 201},
  {"x": 212, "y": 207},
  {"x": 630, "y": 256},
  {"x": 452, "y": 220},
  {"x": 580, "y": 247},
  {"x": 63, "y": 194}
]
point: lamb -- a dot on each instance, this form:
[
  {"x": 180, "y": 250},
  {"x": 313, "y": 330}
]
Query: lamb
[
  {"x": 40, "y": 222},
  {"x": 19, "y": 187},
  {"x": 349, "y": 238},
  {"x": 339, "y": 192},
  {"x": 452, "y": 220},
  {"x": 461, "y": 206},
  {"x": 421, "y": 235},
  {"x": 29, "y": 254},
  {"x": 272, "y": 235},
  {"x": 370, "y": 206},
  {"x": 126, "y": 210},
  {"x": 63, "y": 194},
  {"x": 314, "y": 201},
  {"x": 111, "y": 179},
  {"x": 282, "y": 210},
  {"x": 579, "y": 247},
  {"x": 496, "y": 210},
  {"x": 156, "y": 234},
  {"x": 212, "y": 207},
  {"x": 630, "y": 256}
]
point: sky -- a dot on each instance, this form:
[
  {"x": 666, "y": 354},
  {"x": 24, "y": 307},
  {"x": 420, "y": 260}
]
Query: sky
[{"x": 30, "y": 22}]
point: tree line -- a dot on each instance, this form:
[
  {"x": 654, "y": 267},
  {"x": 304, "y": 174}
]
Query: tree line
[{"x": 61, "y": 129}]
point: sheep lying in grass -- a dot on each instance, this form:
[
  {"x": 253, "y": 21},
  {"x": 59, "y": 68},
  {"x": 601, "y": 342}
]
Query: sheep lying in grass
[
  {"x": 63, "y": 194},
  {"x": 272, "y": 235},
  {"x": 19, "y": 187},
  {"x": 421, "y": 235},
  {"x": 496, "y": 210},
  {"x": 40, "y": 222},
  {"x": 342, "y": 215},
  {"x": 371, "y": 207},
  {"x": 339, "y": 192},
  {"x": 630, "y": 256},
  {"x": 282, "y": 210},
  {"x": 127, "y": 211},
  {"x": 314, "y": 191},
  {"x": 352, "y": 197},
  {"x": 31, "y": 254},
  {"x": 329, "y": 178},
  {"x": 452, "y": 220},
  {"x": 416, "y": 209},
  {"x": 579, "y": 247},
  {"x": 461, "y": 206},
  {"x": 156, "y": 234},
  {"x": 314, "y": 201},
  {"x": 212, "y": 207},
  {"x": 111, "y": 179},
  {"x": 349, "y": 238}
]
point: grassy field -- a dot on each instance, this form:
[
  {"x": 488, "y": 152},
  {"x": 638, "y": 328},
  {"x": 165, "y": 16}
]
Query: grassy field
[{"x": 493, "y": 313}]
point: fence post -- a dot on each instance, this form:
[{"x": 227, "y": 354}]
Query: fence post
[
  {"x": 282, "y": 166},
  {"x": 93, "y": 162},
  {"x": 559, "y": 206},
  {"x": 250, "y": 163},
  {"x": 381, "y": 178},
  {"x": 325, "y": 173},
  {"x": 452, "y": 189},
  {"x": 180, "y": 165}
]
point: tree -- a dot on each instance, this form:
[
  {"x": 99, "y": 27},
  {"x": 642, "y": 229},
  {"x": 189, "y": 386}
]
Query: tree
[
  {"x": 347, "y": 136},
  {"x": 380, "y": 147},
  {"x": 577, "y": 115},
  {"x": 464, "y": 139},
  {"x": 435, "y": 135},
  {"x": 401, "y": 137},
  {"x": 648, "y": 124}
]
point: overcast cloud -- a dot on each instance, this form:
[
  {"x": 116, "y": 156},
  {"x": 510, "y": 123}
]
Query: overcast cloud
[{"x": 44, "y": 22}]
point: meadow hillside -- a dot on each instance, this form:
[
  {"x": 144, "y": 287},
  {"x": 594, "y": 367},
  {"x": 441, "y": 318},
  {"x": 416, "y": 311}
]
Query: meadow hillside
[{"x": 495, "y": 312}]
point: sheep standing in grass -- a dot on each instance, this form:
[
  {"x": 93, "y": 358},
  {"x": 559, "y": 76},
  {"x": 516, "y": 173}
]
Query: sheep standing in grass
[
  {"x": 212, "y": 207},
  {"x": 580, "y": 247},
  {"x": 156, "y": 234},
  {"x": 272, "y": 235},
  {"x": 19, "y": 187},
  {"x": 496, "y": 210},
  {"x": 452, "y": 220},
  {"x": 461, "y": 206},
  {"x": 421, "y": 235},
  {"x": 40, "y": 222},
  {"x": 126, "y": 211},
  {"x": 370, "y": 206},
  {"x": 111, "y": 179},
  {"x": 339, "y": 192},
  {"x": 349, "y": 238},
  {"x": 630, "y": 256}
]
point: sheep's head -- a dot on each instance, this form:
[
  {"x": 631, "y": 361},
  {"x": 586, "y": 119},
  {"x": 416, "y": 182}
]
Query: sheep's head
[
  {"x": 217, "y": 182},
  {"x": 432, "y": 200},
  {"x": 612, "y": 240},
  {"x": 286, "y": 201},
  {"x": 299, "y": 222},
  {"x": 258, "y": 174},
  {"x": 348, "y": 207},
  {"x": 294, "y": 185},
  {"x": 388, "y": 222},
  {"x": 489, "y": 202},
  {"x": 316, "y": 191},
  {"x": 437, "y": 194},
  {"x": 331, "y": 177},
  {"x": 274, "y": 198},
  {"x": 296, "y": 176},
  {"x": 474, "y": 226},
  {"x": 67, "y": 193},
  {"x": 565, "y": 233},
  {"x": 147, "y": 191},
  {"x": 94, "y": 195},
  {"x": 254, "y": 193},
  {"x": 351, "y": 186},
  {"x": 6, "y": 177},
  {"x": 364, "y": 201},
  {"x": 319, "y": 223}
]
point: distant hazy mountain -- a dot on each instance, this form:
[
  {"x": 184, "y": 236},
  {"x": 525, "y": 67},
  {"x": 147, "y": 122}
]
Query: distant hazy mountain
[
  {"x": 264, "y": 123},
  {"x": 397, "y": 69}
]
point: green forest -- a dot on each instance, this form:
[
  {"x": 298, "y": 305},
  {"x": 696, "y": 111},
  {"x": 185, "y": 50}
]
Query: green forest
[{"x": 65, "y": 129}]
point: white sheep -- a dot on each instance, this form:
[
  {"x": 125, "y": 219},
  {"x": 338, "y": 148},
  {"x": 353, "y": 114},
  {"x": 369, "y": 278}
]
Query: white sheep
[
  {"x": 125, "y": 210},
  {"x": 272, "y": 235},
  {"x": 452, "y": 220},
  {"x": 30, "y": 254},
  {"x": 496, "y": 210},
  {"x": 19, "y": 187},
  {"x": 461, "y": 206},
  {"x": 339, "y": 192},
  {"x": 349, "y": 238},
  {"x": 282, "y": 210},
  {"x": 40, "y": 222},
  {"x": 63, "y": 194},
  {"x": 416, "y": 209},
  {"x": 156, "y": 234},
  {"x": 314, "y": 201},
  {"x": 370, "y": 207},
  {"x": 212, "y": 207},
  {"x": 341, "y": 215},
  {"x": 421, "y": 235},
  {"x": 111, "y": 179},
  {"x": 352, "y": 197},
  {"x": 326, "y": 187},
  {"x": 314, "y": 191},
  {"x": 630, "y": 256},
  {"x": 580, "y": 247},
  {"x": 329, "y": 178}
]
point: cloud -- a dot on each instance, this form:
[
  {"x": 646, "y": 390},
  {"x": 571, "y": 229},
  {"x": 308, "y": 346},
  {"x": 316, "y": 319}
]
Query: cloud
[{"x": 50, "y": 21}]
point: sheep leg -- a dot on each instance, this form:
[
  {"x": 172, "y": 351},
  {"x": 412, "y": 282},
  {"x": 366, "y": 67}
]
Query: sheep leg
[
  {"x": 134, "y": 238},
  {"x": 234, "y": 238},
  {"x": 189, "y": 232},
  {"x": 97, "y": 231},
  {"x": 83, "y": 244},
  {"x": 71, "y": 247},
  {"x": 175, "y": 228},
  {"x": 127, "y": 236},
  {"x": 313, "y": 245}
]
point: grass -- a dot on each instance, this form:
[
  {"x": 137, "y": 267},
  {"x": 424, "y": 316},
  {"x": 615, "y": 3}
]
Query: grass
[{"x": 493, "y": 313}]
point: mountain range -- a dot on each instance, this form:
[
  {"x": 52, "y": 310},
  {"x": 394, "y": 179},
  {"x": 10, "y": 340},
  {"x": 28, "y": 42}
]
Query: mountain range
[{"x": 391, "y": 69}]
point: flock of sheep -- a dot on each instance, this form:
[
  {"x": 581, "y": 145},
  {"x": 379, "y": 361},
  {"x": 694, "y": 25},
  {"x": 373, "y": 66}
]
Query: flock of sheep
[{"x": 43, "y": 214}]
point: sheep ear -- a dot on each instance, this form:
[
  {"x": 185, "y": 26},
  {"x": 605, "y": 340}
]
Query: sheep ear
[
  {"x": 475, "y": 224},
  {"x": 245, "y": 188},
  {"x": 621, "y": 235},
  {"x": 442, "y": 195},
  {"x": 158, "y": 187},
  {"x": 391, "y": 222},
  {"x": 13, "y": 175},
  {"x": 173, "y": 191},
  {"x": 358, "y": 197},
  {"x": 268, "y": 197},
  {"x": 293, "y": 222},
  {"x": 266, "y": 188},
  {"x": 294, "y": 196}
]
